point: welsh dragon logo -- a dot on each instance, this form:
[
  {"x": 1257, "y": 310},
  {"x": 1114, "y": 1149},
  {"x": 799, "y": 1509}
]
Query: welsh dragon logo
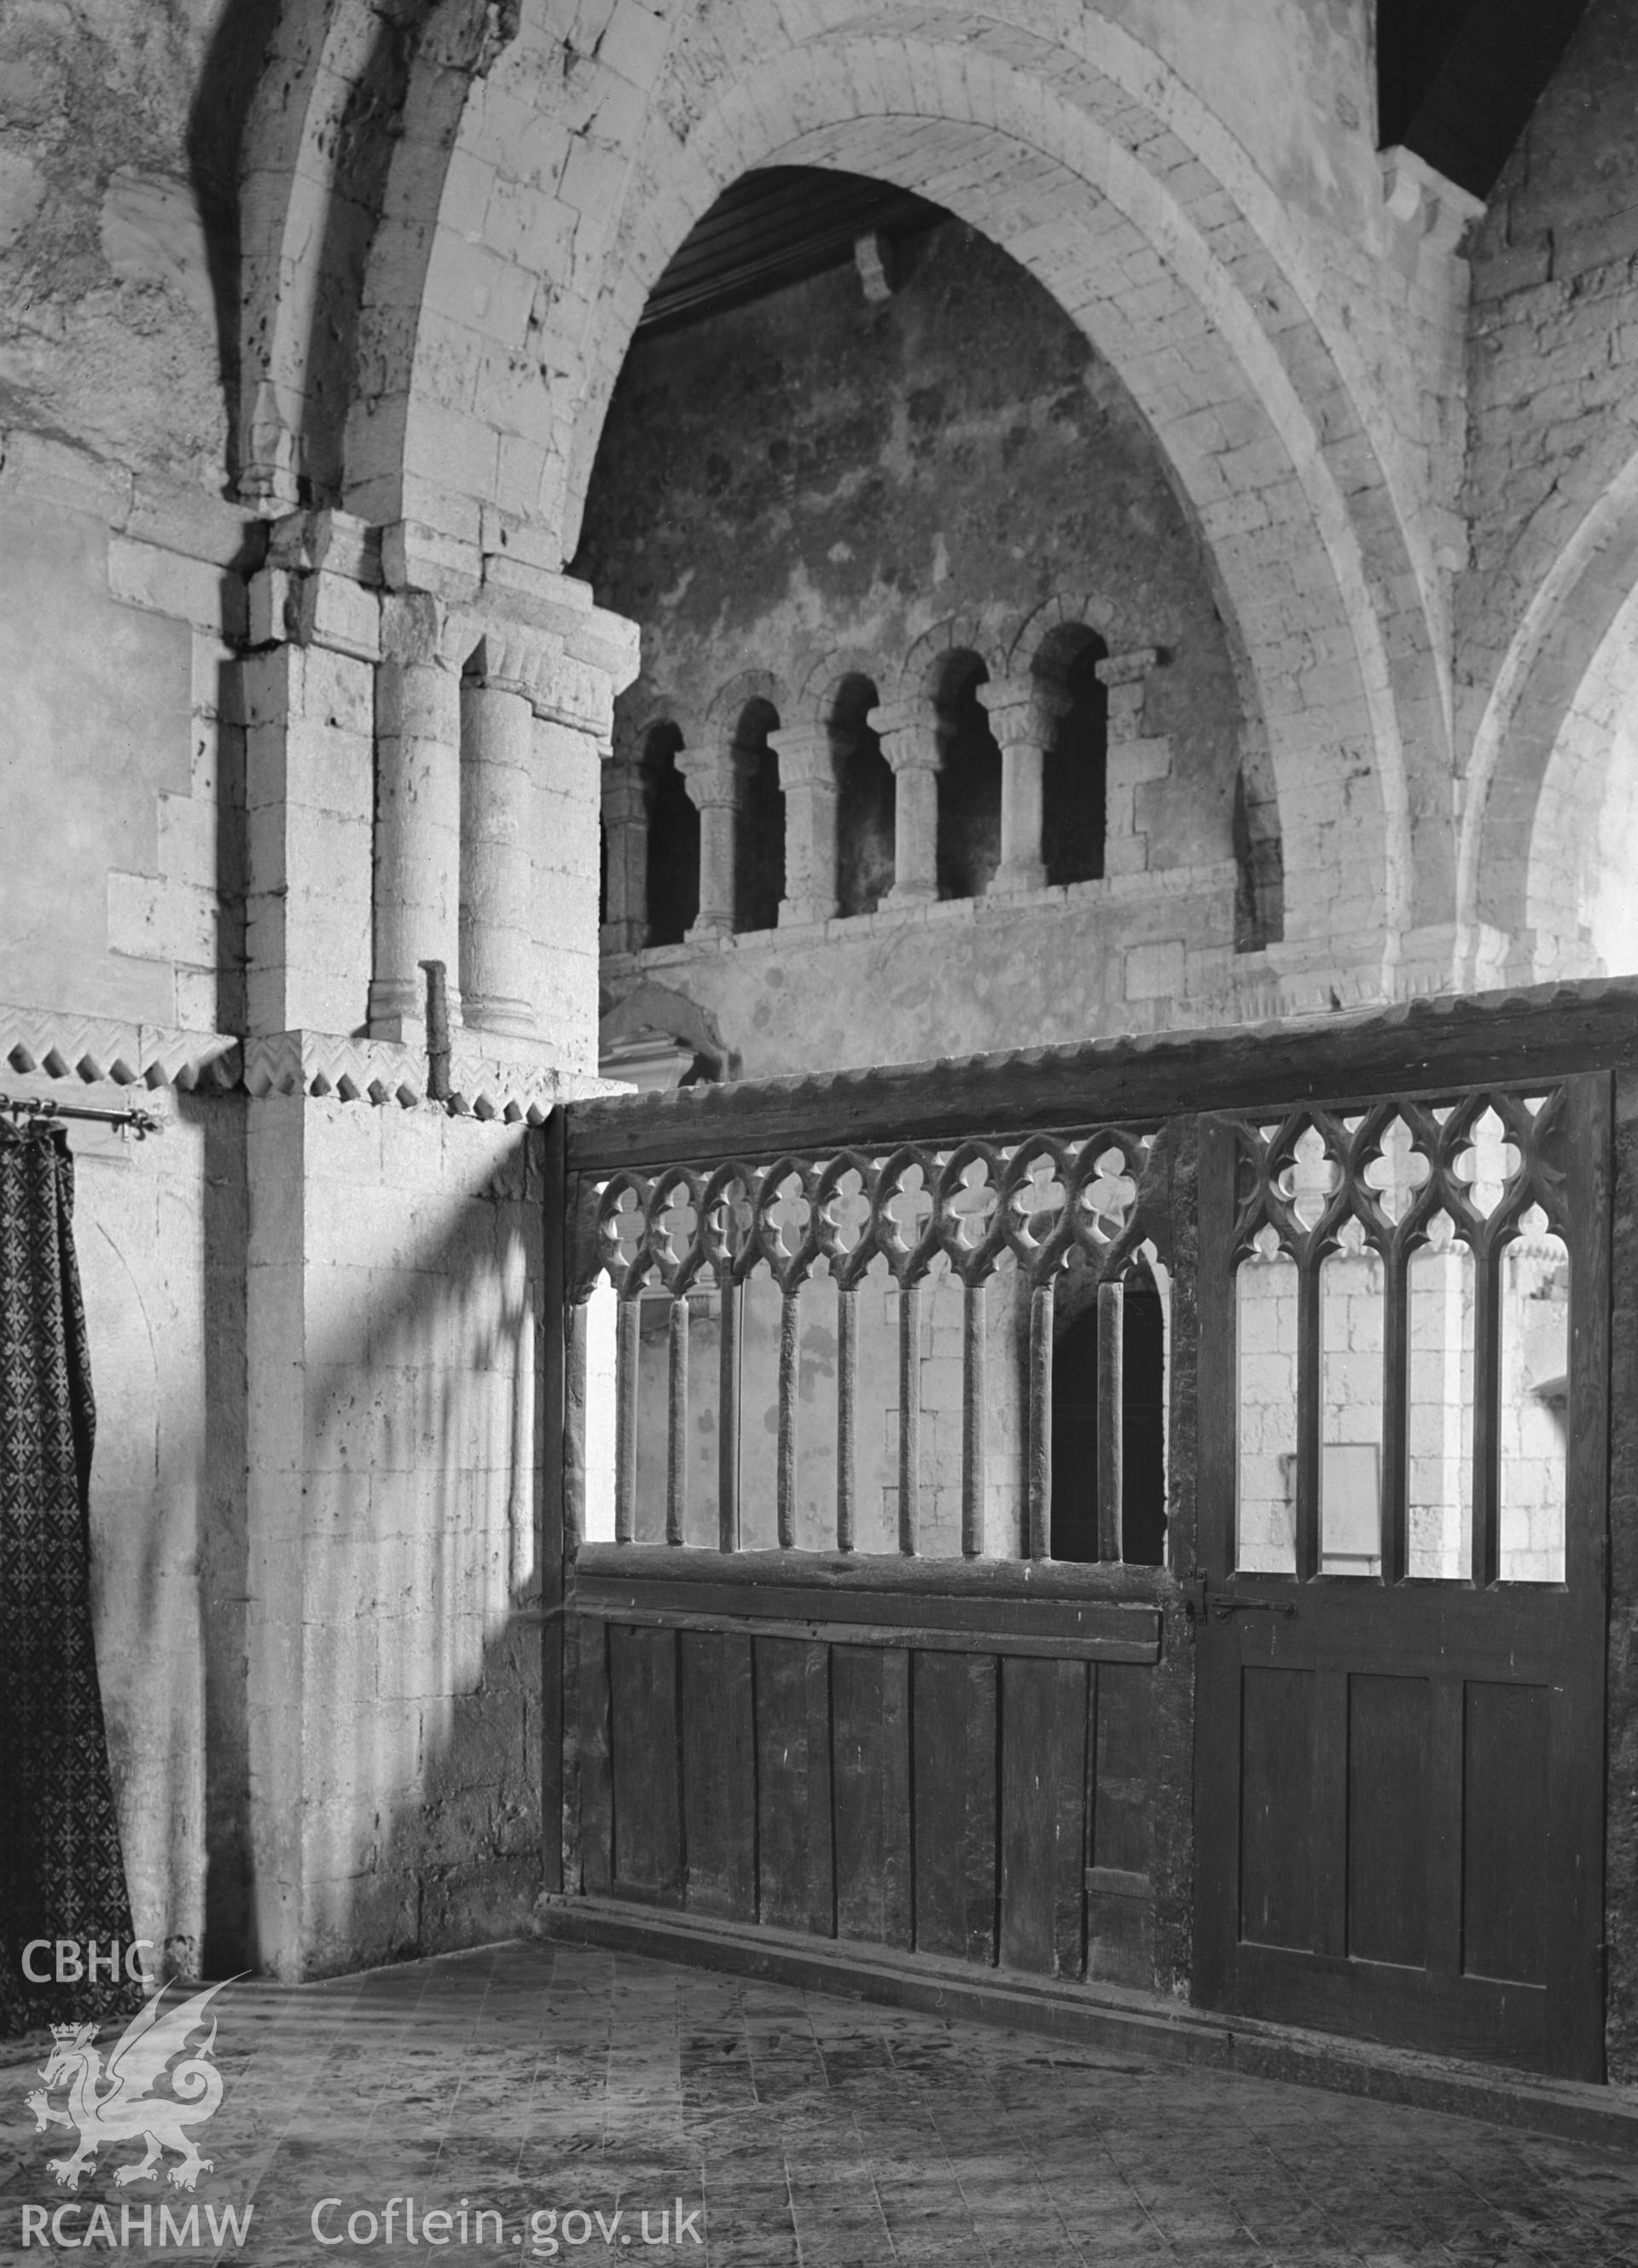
[{"x": 126, "y": 2108}]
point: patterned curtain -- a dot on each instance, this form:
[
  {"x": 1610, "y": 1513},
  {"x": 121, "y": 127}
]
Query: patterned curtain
[{"x": 61, "y": 1872}]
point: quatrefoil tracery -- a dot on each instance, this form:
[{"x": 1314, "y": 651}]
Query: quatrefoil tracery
[
  {"x": 1481, "y": 1162},
  {"x": 979, "y": 1208}
]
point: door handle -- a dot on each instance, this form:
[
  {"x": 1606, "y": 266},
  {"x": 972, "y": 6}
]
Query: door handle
[{"x": 1225, "y": 1603}]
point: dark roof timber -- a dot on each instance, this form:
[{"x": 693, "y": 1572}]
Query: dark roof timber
[
  {"x": 1421, "y": 1046},
  {"x": 1458, "y": 79},
  {"x": 775, "y": 227}
]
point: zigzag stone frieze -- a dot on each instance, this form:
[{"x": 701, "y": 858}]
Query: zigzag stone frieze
[
  {"x": 320, "y": 1064},
  {"x": 95, "y": 1047},
  {"x": 484, "y": 1083},
  {"x": 481, "y": 1083}
]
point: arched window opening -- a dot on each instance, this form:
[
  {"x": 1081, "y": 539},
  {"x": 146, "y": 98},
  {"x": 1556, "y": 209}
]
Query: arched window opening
[
  {"x": 1074, "y": 775},
  {"x": 674, "y": 864},
  {"x": 865, "y": 840},
  {"x": 1074, "y": 1439},
  {"x": 969, "y": 782},
  {"x": 759, "y": 834},
  {"x": 1142, "y": 1423},
  {"x": 1259, "y": 883},
  {"x": 1108, "y": 1366}
]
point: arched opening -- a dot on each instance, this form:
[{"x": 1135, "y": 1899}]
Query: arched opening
[
  {"x": 865, "y": 840},
  {"x": 1111, "y": 1356},
  {"x": 1075, "y": 771},
  {"x": 760, "y": 831},
  {"x": 969, "y": 781},
  {"x": 1144, "y": 1423},
  {"x": 673, "y": 865},
  {"x": 1260, "y": 871}
]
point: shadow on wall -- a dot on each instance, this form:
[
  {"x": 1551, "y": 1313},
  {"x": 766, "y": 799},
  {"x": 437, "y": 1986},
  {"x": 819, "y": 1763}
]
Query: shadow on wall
[
  {"x": 411, "y": 1715},
  {"x": 420, "y": 1766}
]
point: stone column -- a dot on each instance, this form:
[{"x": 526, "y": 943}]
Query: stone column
[
  {"x": 626, "y": 833},
  {"x": 1022, "y": 712},
  {"x": 1135, "y": 757},
  {"x": 309, "y": 695},
  {"x": 714, "y": 779},
  {"x": 417, "y": 843},
  {"x": 807, "y": 776},
  {"x": 910, "y": 743},
  {"x": 497, "y": 851}
]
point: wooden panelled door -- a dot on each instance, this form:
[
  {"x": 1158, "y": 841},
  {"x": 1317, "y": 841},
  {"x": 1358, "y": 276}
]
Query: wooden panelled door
[{"x": 1404, "y": 1376}]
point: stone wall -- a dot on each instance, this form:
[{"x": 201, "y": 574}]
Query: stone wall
[
  {"x": 1544, "y": 629},
  {"x": 392, "y": 1587},
  {"x": 822, "y": 487},
  {"x": 812, "y": 483}
]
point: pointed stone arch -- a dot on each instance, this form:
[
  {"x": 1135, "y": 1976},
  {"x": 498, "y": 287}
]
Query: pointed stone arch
[{"x": 1085, "y": 158}]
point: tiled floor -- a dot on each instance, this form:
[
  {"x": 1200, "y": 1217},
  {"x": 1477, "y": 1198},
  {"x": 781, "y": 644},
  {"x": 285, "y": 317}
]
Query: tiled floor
[{"x": 540, "y": 2083}]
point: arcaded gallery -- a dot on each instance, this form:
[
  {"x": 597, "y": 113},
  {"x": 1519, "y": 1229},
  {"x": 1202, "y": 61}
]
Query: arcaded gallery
[{"x": 819, "y": 941}]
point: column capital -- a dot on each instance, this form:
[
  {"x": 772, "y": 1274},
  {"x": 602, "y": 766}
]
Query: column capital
[
  {"x": 1022, "y": 710},
  {"x": 714, "y": 775},
  {"x": 513, "y": 657},
  {"x": 908, "y": 734},
  {"x": 319, "y": 585},
  {"x": 420, "y": 630},
  {"x": 1127, "y": 668},
  {"x": 1126, "y": 678},
  {"x": 805, "y": 756}
]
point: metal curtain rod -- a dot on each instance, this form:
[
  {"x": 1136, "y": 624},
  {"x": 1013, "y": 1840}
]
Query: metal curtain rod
[{"x": 142, "y": 1122}]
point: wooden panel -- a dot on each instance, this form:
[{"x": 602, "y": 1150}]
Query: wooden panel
[
  {"x": 647, "y": 1760},
  {"x": 851, "y": 1602},
  {"x": 603, "y": 1567},
  {"x": 1125, "y": 1776},
  {"x": 719, "y": 1773},
  {"x": 954, "y": 1713},
  {"x": 596, "y": 1808},
  {"x": 1443, "y": 1042},
  {"x": 796, "y": 1886},
  {"x": 1468, "y": 2016},
  {"x": 557, "y": 1528},
  {"x": 1279, "y": 1796},
  {"x": 1504, "y": 1837},
  {"x": 1044, "y": 1709},
  {"x": 870, "y": 1767},
  {"x": 1576, "y": 1952},
  {"x": 1389, "y": 1732},
  {"x": 1120, "y": 1903},
  {"x": 890, "y": 1635}
]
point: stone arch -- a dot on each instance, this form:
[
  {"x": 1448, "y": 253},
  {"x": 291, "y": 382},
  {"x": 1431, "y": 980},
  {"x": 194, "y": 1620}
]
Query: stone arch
[
  {"x": 816, "y": 698},
  {"x": 354, "y": 117},
  {"x": 1547, "y": 708},
  {"x": 839, "y": 695},
  {"x": 743, "y": 759},
  {"x": 655, "y": 1021},
  {"x": 1056, "y": 627},
  {"x": 728, "y": 704},
  {"x": 969, "y": 784},
  {"x": 666, "y": 885},
  {"x": 1581, "y": 894},
  {"x": 1061, "y": 658},
  {"x": 920, "y": 675},
  {"x": 1086, "y": 159}
]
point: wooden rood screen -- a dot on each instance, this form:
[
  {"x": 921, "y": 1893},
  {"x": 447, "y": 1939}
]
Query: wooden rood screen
[
  {"x": 746, "y": 1294},
  {"x": 998, "y": 1496},
  {"x": 866, "y": 1701}
]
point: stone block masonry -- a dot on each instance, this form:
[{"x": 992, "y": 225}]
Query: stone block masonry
[{"x": 394, "y": 1306}]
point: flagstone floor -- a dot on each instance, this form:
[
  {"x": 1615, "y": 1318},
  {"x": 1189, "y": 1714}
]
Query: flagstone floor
[{"x": 592, "y": 2105}]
